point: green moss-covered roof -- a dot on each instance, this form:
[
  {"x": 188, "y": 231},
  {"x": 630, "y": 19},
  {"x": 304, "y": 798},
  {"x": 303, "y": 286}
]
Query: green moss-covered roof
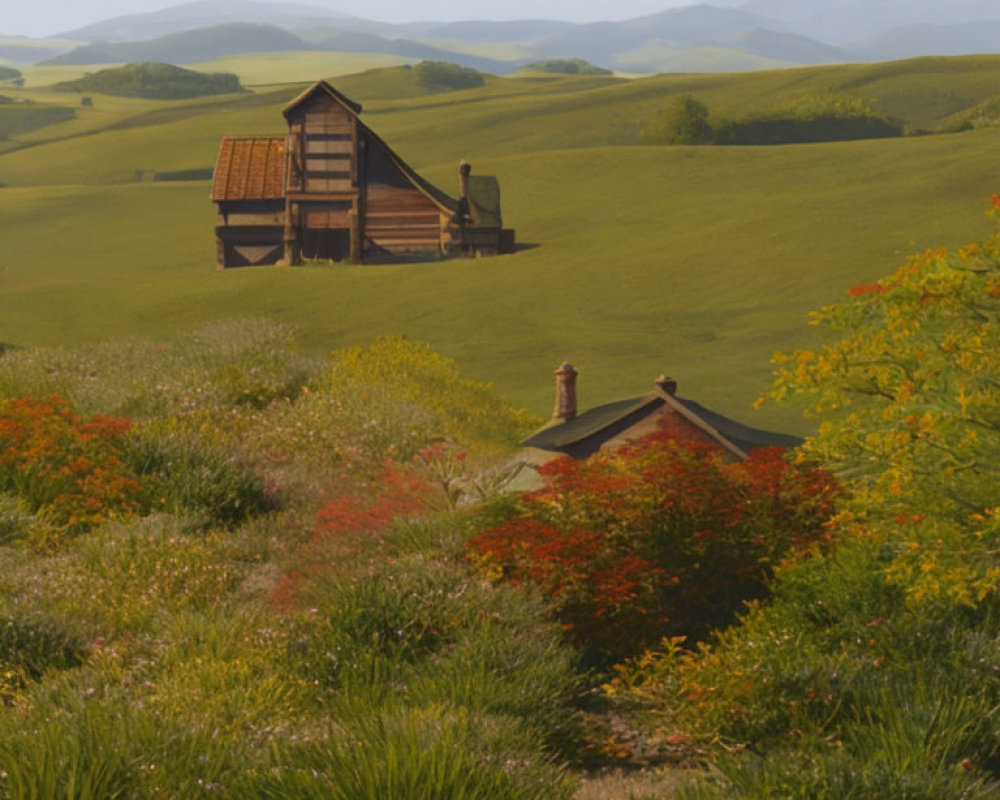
[{"x": 484, "y": 194}]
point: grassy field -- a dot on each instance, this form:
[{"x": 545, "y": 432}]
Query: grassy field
[{"x": 696, "y": 261}]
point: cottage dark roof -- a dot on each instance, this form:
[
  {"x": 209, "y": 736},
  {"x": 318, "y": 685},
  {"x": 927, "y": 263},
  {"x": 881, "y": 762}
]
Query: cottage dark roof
[
  {"x": 743, "y": 436},
  {"x": 585, "y": 433},
  {"x": 250, "y": 168}
]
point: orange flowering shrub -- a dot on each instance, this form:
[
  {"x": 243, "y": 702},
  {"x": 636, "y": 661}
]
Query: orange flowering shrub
[
  {"x": 67, "y": 469},
  {"x": 660, "y": 537},
  {"x": 359, "y": 507}
]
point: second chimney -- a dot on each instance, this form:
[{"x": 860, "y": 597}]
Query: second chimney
[
  {"x": 669, "y": 385},
  {"x": 464, "y": 170},
  {"x": 565, "y": 408}
]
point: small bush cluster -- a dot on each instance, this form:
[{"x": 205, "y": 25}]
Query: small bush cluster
[
  {"x": 442, "y": 76},
  {"x": 65, "y": 468},
  {"x": 154, "y": 81},
  {"x": 568, "y": 66},
  {"x": 29, "y": 649},
  {"x": 686, "y": 121}
]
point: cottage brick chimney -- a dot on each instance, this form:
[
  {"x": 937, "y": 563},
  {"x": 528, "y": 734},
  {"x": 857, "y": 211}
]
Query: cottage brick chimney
[
  {"x": 464, "y": 170},
  {"x": 669, "y": 385},
  {"x": 565, "y": 408}
]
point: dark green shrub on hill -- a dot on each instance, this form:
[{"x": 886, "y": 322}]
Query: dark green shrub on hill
[
  {"x": 818, "y": 120},
  {"x": 182, "y": 473},
  {"x": 442, "y": 76},
  {"x": 686, "y": 121},
  {"x": 6, "y": 73},
  {"x": 982, "y": 115},
  {"x": 154, "y": 81},
  {"x": 28, "y": 649},
  {"x": 568, "y": 66},
  {"x": 683, "y": 121},
  {"x": 790, "y": 130}
]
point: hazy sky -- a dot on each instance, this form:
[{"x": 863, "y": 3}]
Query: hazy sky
[{"x": 48, "y": 17}]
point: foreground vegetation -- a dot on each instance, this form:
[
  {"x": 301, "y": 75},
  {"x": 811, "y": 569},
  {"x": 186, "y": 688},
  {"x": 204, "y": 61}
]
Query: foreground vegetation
[{"x": 244, "y": 633}]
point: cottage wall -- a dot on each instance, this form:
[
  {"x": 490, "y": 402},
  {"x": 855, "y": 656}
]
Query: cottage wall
[{"x": 668, "y": 420}]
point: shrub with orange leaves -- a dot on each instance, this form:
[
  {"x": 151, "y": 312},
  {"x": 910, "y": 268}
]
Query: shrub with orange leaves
[
  {"x": 657, "y": 538},
  {"x": 65, "y": 468}
]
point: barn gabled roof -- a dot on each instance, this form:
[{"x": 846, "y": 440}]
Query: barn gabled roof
[
  {"x": 586, "y": 433},
  {"x": 250, "y": 168},
  {"x": 443, "y": 200},
  {"x": 322, "y": 87}
]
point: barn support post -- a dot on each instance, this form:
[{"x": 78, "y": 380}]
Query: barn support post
[
  {"x": 292, "y": 255},
  {"x": 354, "y": 221},
  {"x": 220, "y": 252}
]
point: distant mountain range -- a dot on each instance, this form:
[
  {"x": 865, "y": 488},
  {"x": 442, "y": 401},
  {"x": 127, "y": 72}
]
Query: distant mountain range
[
  {"x": 725, "y": 35},
  {"x": 216, "y": 41}
]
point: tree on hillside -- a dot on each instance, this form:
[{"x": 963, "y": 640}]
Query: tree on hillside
[
  {"x": 442, "y": 76},
  {"x": 684, "y": 121}
]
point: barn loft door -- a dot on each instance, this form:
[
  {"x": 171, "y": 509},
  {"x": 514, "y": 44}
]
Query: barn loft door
[
  {"x": 326, "y": 232},
  {"x": 326, "y": 243}
]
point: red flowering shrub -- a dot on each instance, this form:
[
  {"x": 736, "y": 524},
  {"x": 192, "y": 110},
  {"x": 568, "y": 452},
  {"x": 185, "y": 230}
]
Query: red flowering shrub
[
  {"x": 68, "y": 469},
  {"x": 866, "y": 288},
  {"x": 660, "y": 537},
  {"x": 360, "y": 506},
  {"x": 371, "y": 506}
]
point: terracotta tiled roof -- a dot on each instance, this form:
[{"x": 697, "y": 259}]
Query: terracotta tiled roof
[{"x": 250, "y": 168}]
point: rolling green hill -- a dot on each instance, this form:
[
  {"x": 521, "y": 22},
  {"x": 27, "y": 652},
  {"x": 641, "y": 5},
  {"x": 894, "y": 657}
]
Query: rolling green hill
[{"x": 695, "y": 261}]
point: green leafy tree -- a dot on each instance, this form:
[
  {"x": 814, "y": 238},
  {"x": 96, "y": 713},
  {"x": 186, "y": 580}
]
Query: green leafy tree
[
  {"x": 684, "y": 121},
  {"x": 443, "y": 76},
  {"x": 909, "y": 399}
]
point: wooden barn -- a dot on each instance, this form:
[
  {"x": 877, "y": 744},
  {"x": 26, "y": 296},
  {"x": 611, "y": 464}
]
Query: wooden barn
[
  {"x": 611, "y": 425},
  {"x": 332, "y": 189}
]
